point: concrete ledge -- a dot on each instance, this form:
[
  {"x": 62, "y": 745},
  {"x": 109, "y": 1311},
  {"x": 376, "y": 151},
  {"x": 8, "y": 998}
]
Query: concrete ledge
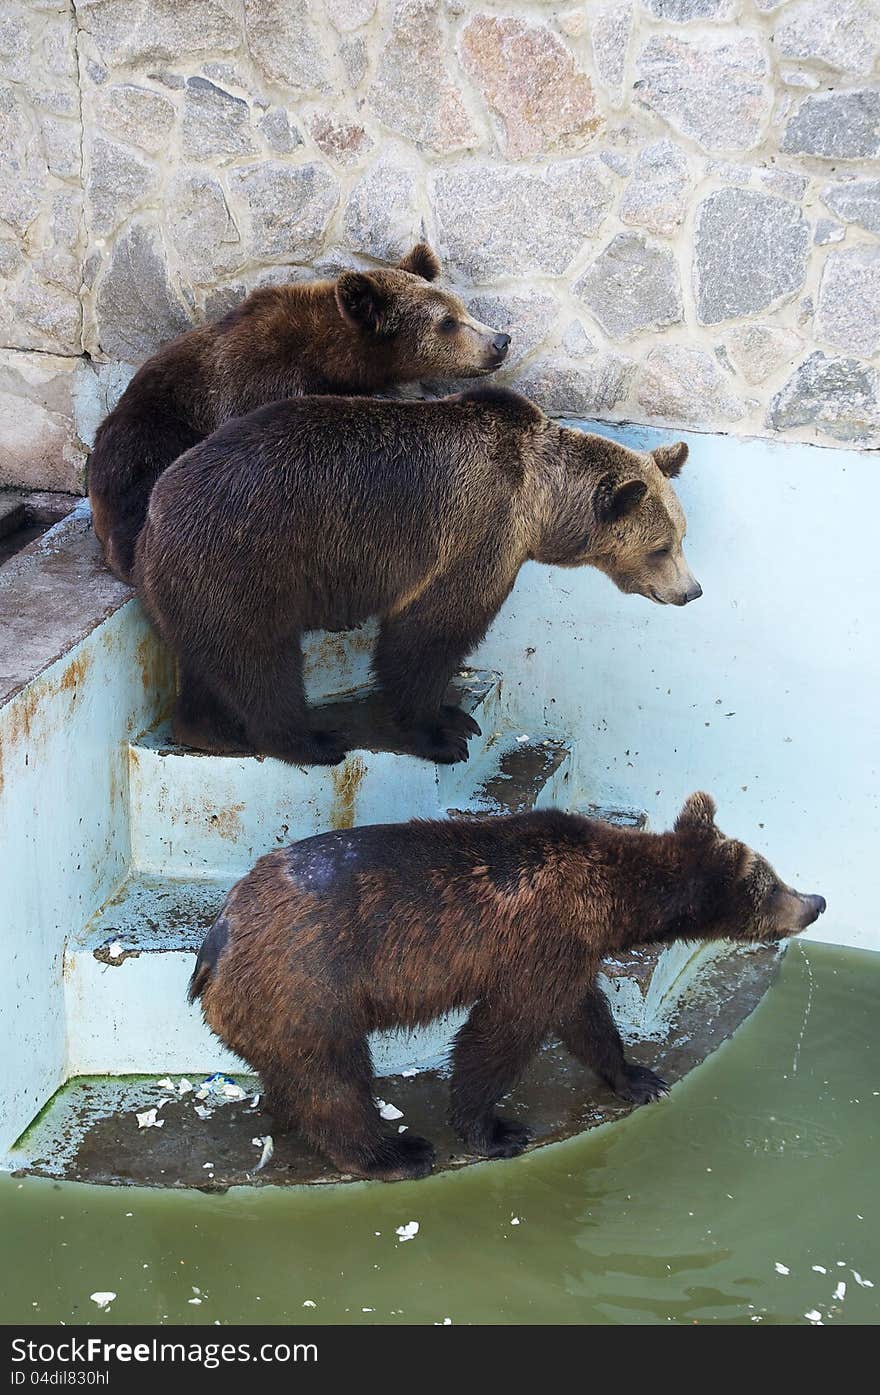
[{"x": 52, "y": 595}]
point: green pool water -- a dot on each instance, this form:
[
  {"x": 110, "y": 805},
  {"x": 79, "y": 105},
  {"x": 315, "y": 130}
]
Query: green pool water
[{"x": 711, "y": 1206}]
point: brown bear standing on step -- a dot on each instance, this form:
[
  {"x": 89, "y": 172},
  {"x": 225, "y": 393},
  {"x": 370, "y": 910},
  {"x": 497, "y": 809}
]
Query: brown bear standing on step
[
  {"x": 318, "y": 512},
  {"x": 358, "y": 334},
  {"x": 389, "y": 926}
]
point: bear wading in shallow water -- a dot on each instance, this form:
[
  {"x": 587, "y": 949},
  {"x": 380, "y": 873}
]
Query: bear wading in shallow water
[
  {"x": 319, "y": 512},
  {"x": 392, "y": 925},
  {"x": 361, "y": 333}
]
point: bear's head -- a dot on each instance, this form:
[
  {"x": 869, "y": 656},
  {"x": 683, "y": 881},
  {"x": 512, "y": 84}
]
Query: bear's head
[
  {"x": 616, "y": 510},
  {"x": 740, "y": 897},
  {"x": 420, "y": 330}
]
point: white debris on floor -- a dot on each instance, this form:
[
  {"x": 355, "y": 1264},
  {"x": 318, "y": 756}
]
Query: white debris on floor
[
  {"x": 408, "y": 1231},
  {"x": 103, "y": 1300},
  {"x": 233, "y": 1092},
  {"x": 268, "y": 1146},
  {"x": 147, "y": 1120},
  {"x": 216, "y": 1090},
  {"x": 388, "y": 1111},
  {"x": 781, "y": 1268}
]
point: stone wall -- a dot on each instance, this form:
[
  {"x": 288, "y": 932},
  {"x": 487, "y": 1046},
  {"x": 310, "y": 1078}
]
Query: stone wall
[{"x": 673, "y": 204}]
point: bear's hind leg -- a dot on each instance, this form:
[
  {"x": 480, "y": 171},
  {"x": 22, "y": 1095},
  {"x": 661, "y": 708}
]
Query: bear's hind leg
[
  {"x": 332, "y": 1103},
  {"x": 201, "y": 720},
  {"x": 490, "y": 1053},
  {"x": 592, "y": 1036},
  {"x": 265, "y": 687}
]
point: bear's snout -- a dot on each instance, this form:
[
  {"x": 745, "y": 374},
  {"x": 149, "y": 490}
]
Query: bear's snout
[
  {"x": 693, "y": 593},
  {"x": 795, "y": 911},
  {"x": 501, "y": 343},
  {"x": 814, "y": 906}
]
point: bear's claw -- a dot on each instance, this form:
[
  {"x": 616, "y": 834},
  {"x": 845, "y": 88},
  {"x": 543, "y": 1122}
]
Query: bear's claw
[
  {"x": 504, "y": 1138},
  {"x": 439, "y": 741},
  {"x": 641, "y": 1085},
  {"x": 406, "y": 1158},
  {"x": 459, "y": 721}
]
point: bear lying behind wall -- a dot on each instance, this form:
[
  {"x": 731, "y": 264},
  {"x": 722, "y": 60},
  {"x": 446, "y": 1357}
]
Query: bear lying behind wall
[
  {"x": 319, "y": 512},
  {"x": 392, "y": 925},
  {"x": 358, "y": 334}
]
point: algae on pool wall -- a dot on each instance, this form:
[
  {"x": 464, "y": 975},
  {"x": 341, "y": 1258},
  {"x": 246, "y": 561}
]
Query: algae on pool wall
[{"x": 699, "y": 1209}]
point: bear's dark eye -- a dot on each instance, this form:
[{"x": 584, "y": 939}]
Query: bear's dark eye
[
  {"x": 660, "y": 552},
  {"x": 448, "y": 325}
]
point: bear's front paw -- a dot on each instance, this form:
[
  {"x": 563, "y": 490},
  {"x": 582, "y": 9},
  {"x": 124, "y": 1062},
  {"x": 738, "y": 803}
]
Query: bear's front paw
[
  {"x": 406, "y": 1158},
  {"x": 501, "y": 1138},
  {"x": 640, "y": 1085}
]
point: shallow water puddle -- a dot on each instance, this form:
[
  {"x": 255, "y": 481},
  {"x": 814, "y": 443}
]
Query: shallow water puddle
[{"x": 748, "y": 1195}]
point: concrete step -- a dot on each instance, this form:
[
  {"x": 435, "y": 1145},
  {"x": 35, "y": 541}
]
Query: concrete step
[
  {"x": 518, "y": 774},
  {"x": 196, "y": 815},
  {"x": 125, "y": 979}
]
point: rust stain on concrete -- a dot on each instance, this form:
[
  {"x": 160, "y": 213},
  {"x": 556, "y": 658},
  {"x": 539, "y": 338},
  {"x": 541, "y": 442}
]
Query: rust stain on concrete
[
  {"x": 227, "y": 822},
  {"x": 346, "y": 783},
  {"x": 330, "y": 654},
  {"x": 156, "y": 664},
  {"x": 19, "y": 717},
  {"x": 22, "y": 712},
  {"x": 75, "y": 673}
]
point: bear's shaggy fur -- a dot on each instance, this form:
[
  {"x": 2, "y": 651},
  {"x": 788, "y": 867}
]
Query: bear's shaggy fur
[
  {"x": 361, "y": 333},
  {"x": 389, "y": 926},
  {"x": 318, "y": 512}
]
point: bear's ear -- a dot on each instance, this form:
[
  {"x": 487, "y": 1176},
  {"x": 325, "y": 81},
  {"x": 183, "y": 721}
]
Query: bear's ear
[
  {"x": 362, "y": 301},
  {"x": 670, "y": 459},
  {"x": 421, "y": 261},
  {"x": 614, "y": 500},
  {"x": 698, "y": 811}
]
